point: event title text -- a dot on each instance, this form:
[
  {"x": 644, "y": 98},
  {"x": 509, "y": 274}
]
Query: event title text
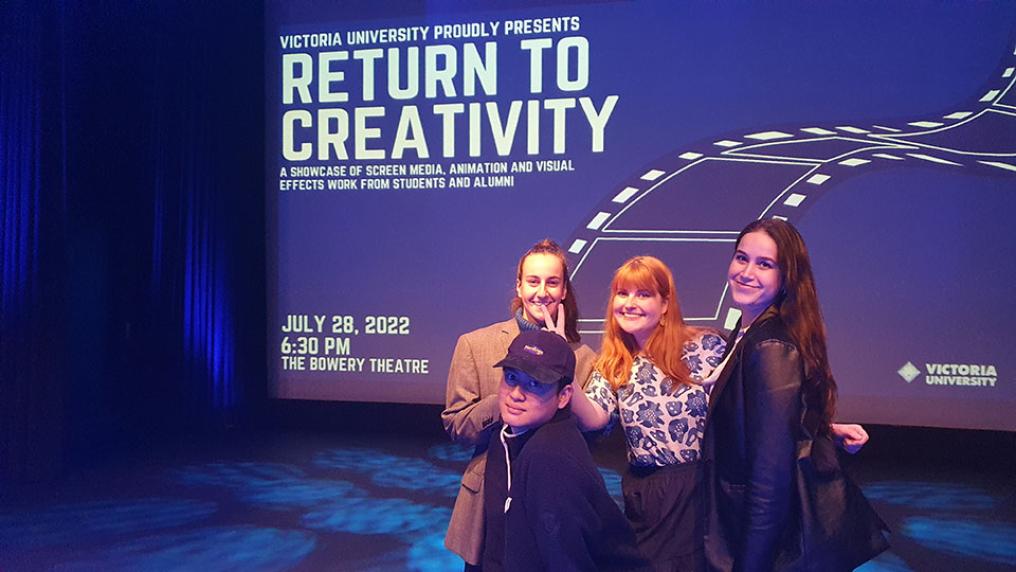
[{"x": 334, "y": 108}]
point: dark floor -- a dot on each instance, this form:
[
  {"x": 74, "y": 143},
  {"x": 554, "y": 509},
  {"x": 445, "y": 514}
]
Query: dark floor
[{"x": 330, "y": 501}]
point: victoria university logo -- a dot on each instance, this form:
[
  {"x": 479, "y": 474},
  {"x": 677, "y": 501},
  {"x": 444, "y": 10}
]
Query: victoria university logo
[
  {"x": 909, "y": 372},
  {"x": 963, "y": 374}
]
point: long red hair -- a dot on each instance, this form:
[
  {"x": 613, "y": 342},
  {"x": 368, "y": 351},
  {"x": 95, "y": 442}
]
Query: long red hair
[{"x": 666, "y": 343}]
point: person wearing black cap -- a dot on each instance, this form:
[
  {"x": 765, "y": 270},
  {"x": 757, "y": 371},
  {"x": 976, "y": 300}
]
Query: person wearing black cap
[
  {"x": 544, "y": 299},
  {"x": 545, "y": 503}
]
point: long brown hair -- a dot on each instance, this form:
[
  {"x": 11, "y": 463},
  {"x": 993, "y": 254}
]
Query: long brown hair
[
  {"x": 666, "y": 343},
  {"x": 570, "y": 302},
  {"x": 799, "y": 309}
]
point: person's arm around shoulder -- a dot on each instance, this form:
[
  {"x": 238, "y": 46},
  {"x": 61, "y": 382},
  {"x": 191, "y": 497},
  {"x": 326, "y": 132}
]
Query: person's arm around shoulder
[
  {"x": 772, "y": 385},
  {"x": 467, "y": 416}
]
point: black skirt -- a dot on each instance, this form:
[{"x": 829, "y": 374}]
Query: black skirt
[{"x": 664, "y": 507}]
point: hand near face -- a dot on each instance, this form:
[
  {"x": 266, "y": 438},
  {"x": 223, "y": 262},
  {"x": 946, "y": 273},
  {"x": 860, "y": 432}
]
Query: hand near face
[
  {"x": 850, "y": 437},
  {"x": 541, "y": 286},
  {"x": 552, "y": 325}
]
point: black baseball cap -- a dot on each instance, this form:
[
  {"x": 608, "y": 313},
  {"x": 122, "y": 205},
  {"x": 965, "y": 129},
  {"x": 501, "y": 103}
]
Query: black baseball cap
[{"x": 543, "y": 355}]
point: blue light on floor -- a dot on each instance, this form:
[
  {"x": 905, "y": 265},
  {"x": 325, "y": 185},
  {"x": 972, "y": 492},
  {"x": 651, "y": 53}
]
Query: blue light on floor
[
  {"x": 387, "y": 470},
  {"x": 885, "y": 562},
  {"x": 236, "y": 474},
  {"x": 88, "y": 521},
  {"x": 428, "y": 554},
  {"x": 209, "y": 550},
  {"x": 377, "y": 516},
  {"x": 417, "y": 475},
  {"x": 983, "y": 539},
  {"x": 275, "y": 486},
  {"x": 356, "y": 458},
  {"x": 451, "y": 452},
  {"x": 416, "y": 530},
  {"x": 298, "y": 492},
  {"x": 929, "y": 495}
]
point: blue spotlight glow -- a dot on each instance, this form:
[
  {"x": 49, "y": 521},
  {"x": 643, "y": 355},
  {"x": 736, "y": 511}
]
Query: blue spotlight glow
[
  {"x": 387, "y": 470},
  {"x": 360, "y": 459},
  {"x": 428, "y": 554},
  {"x": 929, "y": 495},
  {"x": 272, "y": 485},
  {"x": 885, "y": 562},
  {"x": 298, "y": 493},
  {"x": 236, "y": 474},
  {"x": 241, "y": 548},
  {"x": 417, "y": 475},
  {"x": 451, "y": 452},
  {"x": 987, "y": 540},
  {"x": 86, "y": 522},
  {"x": 377, "y": 516}
]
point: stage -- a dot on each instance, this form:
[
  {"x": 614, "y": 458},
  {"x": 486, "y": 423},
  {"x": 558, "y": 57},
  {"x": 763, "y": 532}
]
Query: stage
[
  {"x": 240, "y": 240},
  {"x": 335, "y": 498}
]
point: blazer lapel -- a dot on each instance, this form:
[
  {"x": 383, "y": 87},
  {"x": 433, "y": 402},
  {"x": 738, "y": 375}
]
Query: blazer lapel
[{"x": 509, "y": 331}]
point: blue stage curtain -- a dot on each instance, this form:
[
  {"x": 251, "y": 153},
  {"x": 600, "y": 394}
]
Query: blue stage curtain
[
  {"x": 32, "y": 210},
  {"x": 132, "y": 225},
  {"x": 192, "y": 282},
  {"x": 203, "y": 81}
]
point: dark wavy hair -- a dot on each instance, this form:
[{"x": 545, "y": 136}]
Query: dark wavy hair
[
  {"x": 798, "y": 306},
  {"x": 570, "y": 302}
]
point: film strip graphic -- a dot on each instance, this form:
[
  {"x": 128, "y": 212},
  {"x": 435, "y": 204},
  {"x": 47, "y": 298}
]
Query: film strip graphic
[{"x": 689, "y": 207}]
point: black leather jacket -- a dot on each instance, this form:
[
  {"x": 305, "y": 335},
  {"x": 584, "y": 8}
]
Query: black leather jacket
[{"x": 750, "y": 446}]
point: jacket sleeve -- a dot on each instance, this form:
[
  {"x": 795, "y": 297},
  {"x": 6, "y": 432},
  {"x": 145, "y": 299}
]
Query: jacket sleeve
[
  {"x": 584, "y": 360},
  {"x": 467, "y": 416},
  {"x": 772, "y": 386}
]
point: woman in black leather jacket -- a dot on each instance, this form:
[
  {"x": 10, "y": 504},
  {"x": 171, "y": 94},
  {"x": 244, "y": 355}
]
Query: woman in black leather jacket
[{"x": 778, "y": 358}]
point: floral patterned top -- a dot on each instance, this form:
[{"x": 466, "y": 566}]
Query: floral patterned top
[{"x": 663, "y": 421}]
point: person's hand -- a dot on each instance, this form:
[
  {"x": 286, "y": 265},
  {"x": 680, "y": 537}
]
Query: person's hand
[
  {"x": 556, "y": 326},
  {"x": 850, "y": 437}
]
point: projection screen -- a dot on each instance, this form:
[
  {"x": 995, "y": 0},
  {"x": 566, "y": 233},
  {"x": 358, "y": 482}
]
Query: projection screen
[{"x": 412, "y": 157}]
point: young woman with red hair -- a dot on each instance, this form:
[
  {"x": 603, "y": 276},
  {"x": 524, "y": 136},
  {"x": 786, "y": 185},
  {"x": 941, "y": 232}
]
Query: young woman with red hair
[{"x": 648, "y": 375}]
